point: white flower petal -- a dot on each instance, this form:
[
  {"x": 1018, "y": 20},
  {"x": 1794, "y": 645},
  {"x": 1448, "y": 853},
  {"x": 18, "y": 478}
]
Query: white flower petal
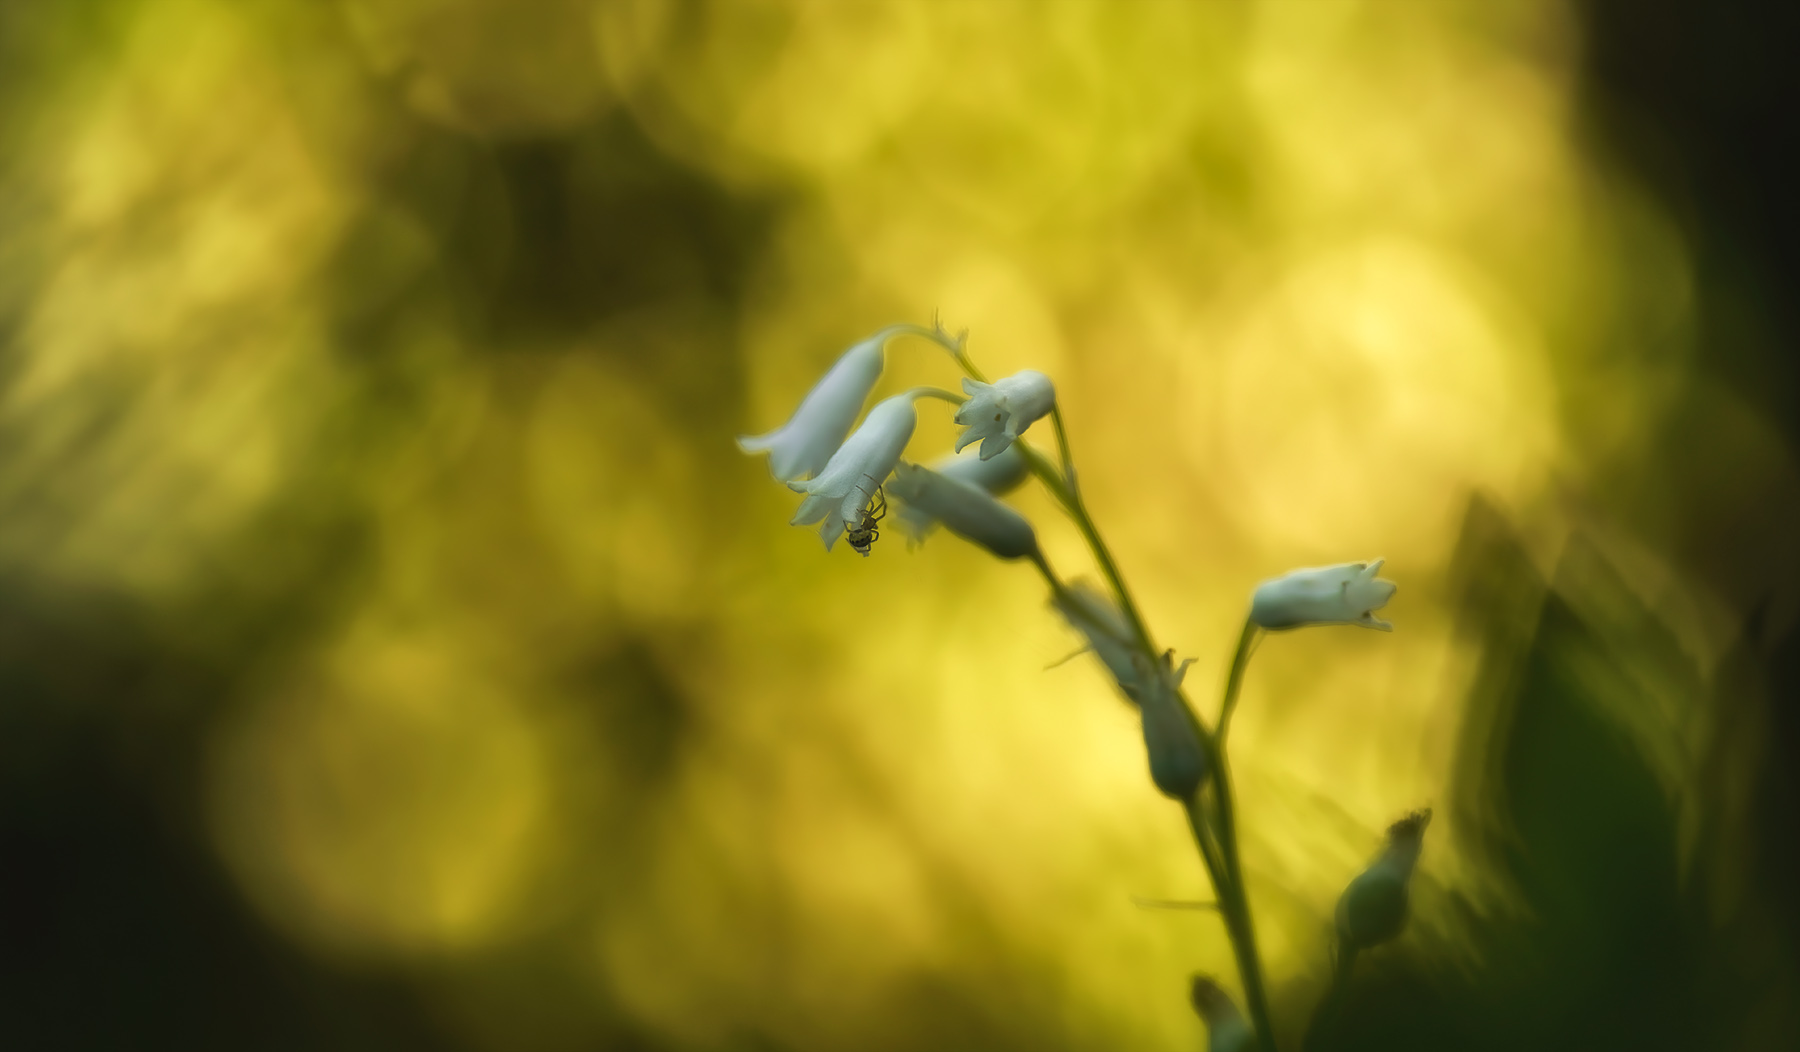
[
  {"x": 804, "y": 445},
  {"x": 859, "y": 466},
  {"x": 1346, "y": 594},
  {"x": 999, "y": 412}
]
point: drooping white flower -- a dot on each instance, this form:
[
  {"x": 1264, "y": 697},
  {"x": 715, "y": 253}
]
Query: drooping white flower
[
  {"x": 1328, "y": 595},
  {"x": 996, "y": 476},
  {"x": 850, "y": 478},
  {"x": 965, "y": 510},
  {"x": 1095, "y": 617},
  {"x": 999, "y": 412},
  {"x": 803, "y": 446}
]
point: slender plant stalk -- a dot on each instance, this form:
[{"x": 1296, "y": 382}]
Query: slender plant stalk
[
  {"x": 928, "y": 391},
  {"x": 1235, "y": 682},
  {"x": 1326, "y": 1014},
  {"x": 1062, "y": 445},
  {"x": 1071, "y": 501},
  {"x": 1220, "y": 858},
  {"x": 1238, "y": 920}
]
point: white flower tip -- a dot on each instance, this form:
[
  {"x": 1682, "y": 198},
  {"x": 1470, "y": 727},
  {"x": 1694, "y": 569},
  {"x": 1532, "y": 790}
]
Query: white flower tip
[
  {"x": 994, "y": 445},
  {"x": 756, "y": 443},
  {"x": 1369, "y": 620}
]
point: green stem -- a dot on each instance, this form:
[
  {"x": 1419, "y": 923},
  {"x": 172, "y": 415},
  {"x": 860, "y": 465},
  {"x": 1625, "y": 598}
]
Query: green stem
[
  {"x": 1326, "y": 1014},
  {"x": 1071, "y": 501},
  {"x": 1038, "y": 560},
  {"x": 935, "y": 335},
  {"x": 1062, "y": 445},
  {"x": 1220, "y": 858},
  {"x": 1235, "y": 681},
  {"x": 1235, "y": 902},
  {"x": 928, "y": 391}
]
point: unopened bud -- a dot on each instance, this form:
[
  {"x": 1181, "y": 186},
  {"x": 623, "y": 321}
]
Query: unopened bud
[
  {"x": 1098, "y": 619},
  {"x": 966, "y": 510},
  {"x": 1374, "y": 907},
  {"x": 1171, "y": 734},
  {"x": 1226, "y": 1030}
]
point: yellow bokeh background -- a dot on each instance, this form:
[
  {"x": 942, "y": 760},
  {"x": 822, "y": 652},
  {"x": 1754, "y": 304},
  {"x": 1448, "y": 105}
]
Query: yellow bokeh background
[{"x": 1308, "y": 275}]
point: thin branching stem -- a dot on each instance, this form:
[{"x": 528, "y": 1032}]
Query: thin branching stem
[
  {"x": 1070, "y": 499},
  {"x": 1325, "y": 1015},
  {"x": 1215, "y": 836},
  {"x": 1043, "y": 565},
  {"x": 1062, "y": 445},
  {"x": 928, "y": 391},
  {"x": 1235, "y": 897},
  {"x": 1235, "y": 681}
]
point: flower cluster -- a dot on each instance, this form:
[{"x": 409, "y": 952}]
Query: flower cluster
[
  {"x": 843, "y": 473},
  {"x": 846, "y": 476}
]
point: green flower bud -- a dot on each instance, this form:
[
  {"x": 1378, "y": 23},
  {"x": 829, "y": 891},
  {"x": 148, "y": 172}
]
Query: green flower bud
[
  {"x": 1226, "y": 1030},
  {"x": 966, "y": 510},
  {"x": 1098, "y": 619},
  {"x": 1171, "y": 735},
  {"x": 1373, "y": 908}
]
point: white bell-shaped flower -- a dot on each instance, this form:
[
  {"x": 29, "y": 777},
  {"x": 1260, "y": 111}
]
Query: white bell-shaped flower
[
  {"x": 965, "y": 510},
  {"x": 803, "y": 446},
  {"x": 843, "y": 489},
  {"x": 999, "y": 475},
  {"x": 1348, "y": 594},
  {"x": 999, "y": 412}
]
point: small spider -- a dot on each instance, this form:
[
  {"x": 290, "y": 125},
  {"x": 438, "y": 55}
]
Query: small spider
[{"x": 863, "y": 534}]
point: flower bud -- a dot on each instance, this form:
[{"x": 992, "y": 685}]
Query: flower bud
[
  {"x": 803, "y": 446},
  {"x": 1171, "y": 734},
  {"x": 1347, "y": 594},
  {"x": 1226, "y": 1030},
  {"x": 965, "y": 510},
  {"x": 1095, "y": 617},
  {"x": 999, "y": 412},
  {"x": 999, "y": 475},
  {"x": 1373, "y": 908}
]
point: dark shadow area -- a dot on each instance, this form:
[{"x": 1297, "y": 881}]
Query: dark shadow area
[
  {"x": 1607, "y": 927},
  {"x": 118, "y": 929}
]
